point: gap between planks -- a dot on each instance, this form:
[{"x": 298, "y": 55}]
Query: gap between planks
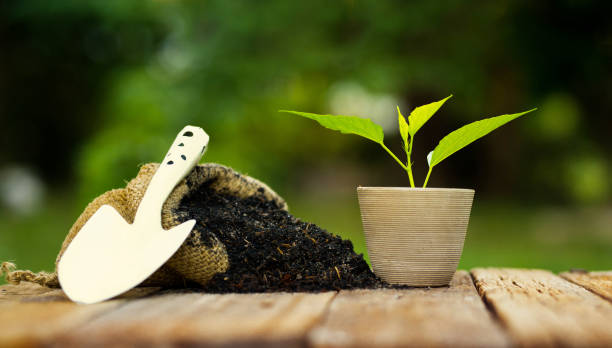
[
  {"x": 433, "y": 317},
  {"x": 411, "y": 317},
  {"x": 599, "y": 283},
  {"x": 525, "y": 307},
  {"x": 540, "y": 309},
  {"x": 263, "y": 319}
]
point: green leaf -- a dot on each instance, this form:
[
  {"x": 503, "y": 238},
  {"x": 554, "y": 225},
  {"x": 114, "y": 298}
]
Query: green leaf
[
  {"x": 467, "y": 134},
  {"x": 403, "y": 128},
  {"x": 346, "y": 124},
  {"x": 422, "y": 114}
]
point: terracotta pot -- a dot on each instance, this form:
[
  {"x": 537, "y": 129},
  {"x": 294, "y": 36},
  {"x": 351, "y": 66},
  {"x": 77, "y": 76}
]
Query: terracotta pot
[{"x": 415, "y": 236}]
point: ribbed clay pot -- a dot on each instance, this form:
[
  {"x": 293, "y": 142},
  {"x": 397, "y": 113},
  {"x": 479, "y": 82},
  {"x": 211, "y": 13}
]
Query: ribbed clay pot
[{"x": 415, "y": 236}]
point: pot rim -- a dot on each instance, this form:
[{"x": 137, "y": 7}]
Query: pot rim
[{"x": 412, "y": 189}]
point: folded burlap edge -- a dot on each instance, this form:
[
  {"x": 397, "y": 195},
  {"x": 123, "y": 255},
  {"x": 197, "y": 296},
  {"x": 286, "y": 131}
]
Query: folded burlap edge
[{"x": 172, "y": 273}]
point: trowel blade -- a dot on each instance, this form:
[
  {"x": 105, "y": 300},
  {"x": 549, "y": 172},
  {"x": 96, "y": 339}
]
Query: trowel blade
[{"x": 109, "y": 256}]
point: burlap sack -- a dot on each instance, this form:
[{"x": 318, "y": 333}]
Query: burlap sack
[{"x": 196, "y": 260}]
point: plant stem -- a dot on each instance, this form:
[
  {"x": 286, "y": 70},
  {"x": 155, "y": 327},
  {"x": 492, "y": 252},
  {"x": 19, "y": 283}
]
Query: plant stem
[
  {"x": 427, "y": 178},
  {"x": 409, "y": 155},
  {"x": 394, "y": 157}
]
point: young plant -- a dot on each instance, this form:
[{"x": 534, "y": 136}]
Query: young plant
[{"x": 450, "y": 144}]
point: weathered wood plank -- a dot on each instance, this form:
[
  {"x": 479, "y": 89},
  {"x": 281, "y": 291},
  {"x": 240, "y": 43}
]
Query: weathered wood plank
[
  {"x": 280, "y": 319},
  {"x": 450, "y": 316},
  {"x": 32, "y": 292},
  {"x": 28, "y": 324},
  {"x": 540, "y": 309},
  {"x": 597, "y": 282},
  {"x": 27, "y": 291},
  {"x": 33, "y": 315}
]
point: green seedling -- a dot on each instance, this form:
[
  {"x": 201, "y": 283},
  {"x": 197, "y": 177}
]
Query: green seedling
[{"x": 450, "y": 144}]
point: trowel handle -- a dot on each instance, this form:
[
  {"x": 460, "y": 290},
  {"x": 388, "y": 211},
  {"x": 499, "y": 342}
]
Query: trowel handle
[{"x": 184, "y": 154}]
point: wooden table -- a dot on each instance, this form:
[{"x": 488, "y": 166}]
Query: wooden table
[{"x": 487, "y": 307}]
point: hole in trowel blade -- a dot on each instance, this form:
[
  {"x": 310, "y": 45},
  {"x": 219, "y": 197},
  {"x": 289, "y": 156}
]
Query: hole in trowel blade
[
  {"x": 181, "y": 144},
  {"x": 183, "y": 157},
  {"x": 188, "y": 134},
  {"x": 203, "y": 148},
  {"x": 170, "y": 162}
]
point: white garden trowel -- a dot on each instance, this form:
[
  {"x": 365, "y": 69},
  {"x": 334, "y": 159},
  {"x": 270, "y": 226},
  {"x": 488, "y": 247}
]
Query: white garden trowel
[{"x": 110, "y": 256}]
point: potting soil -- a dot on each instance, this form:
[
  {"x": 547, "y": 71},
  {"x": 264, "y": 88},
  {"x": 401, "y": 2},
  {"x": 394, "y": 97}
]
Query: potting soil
[{"x": 271, "y": 250}]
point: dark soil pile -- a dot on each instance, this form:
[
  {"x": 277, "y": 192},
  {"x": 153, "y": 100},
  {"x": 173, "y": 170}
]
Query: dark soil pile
[{"x": 271, "y": 250}]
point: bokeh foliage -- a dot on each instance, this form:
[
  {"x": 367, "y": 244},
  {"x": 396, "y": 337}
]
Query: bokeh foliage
[{"x": 89, "y": 90}]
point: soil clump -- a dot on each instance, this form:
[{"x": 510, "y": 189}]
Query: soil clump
[{"x": 271, "y": 250}]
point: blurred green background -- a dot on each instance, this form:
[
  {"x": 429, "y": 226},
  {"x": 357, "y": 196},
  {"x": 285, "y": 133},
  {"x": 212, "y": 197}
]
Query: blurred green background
[{"x": 90, "y": 90}]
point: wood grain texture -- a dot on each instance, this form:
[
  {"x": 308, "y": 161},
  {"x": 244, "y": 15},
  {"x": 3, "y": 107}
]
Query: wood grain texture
[
  {"x": 276, "y": 319},
  {"x": 34, "y": 315},
  {"x": 30, "y": 292},
  {"x": 29, "y": 324},
  {"x": 597, "y": 282},
  {"x": 532, "y": 308},
  {"x": 449, "y": 316},
  {"x": 540, "y": 309}
]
